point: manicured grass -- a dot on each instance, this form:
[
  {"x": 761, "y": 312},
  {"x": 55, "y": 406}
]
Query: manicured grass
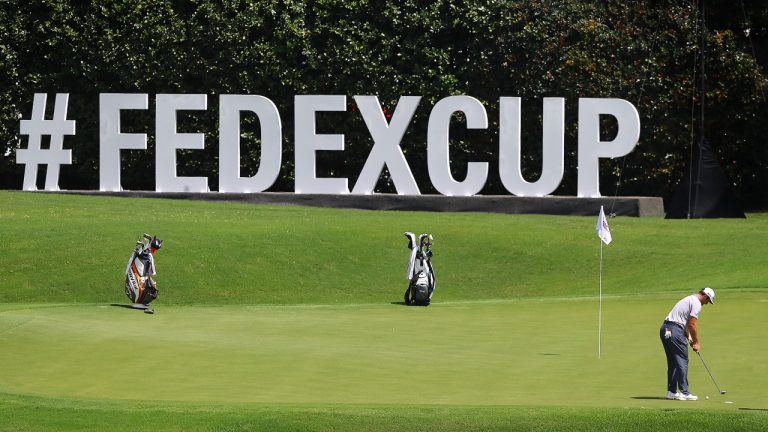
[
  {"x": 32, "y": 413},
  {"x": 524, "y": 352},
  {"x": 496, "y": 365},
  {"x": 74, "y": 249},
  {"x": 288, "y": 318}
]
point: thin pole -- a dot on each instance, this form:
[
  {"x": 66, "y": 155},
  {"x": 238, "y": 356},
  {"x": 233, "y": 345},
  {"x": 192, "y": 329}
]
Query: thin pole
[
  {"x": 702, "y": 124},
  {"x": 600, "y": 308}
]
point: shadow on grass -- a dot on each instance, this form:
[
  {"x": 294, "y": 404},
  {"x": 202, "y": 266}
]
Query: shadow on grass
[
  {"x": 402, "y": 303},
  {"x": 649, "y": 397},
  {"x": 146, "y": 310}
]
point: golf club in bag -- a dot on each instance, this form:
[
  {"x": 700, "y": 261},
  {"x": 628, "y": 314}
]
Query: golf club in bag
[
  {"x": 140, "y": 286},
  {"x": 420, "y": 274}
]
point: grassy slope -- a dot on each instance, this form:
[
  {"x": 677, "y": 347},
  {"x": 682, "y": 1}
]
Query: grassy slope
[{"x": 73, "y": 249}]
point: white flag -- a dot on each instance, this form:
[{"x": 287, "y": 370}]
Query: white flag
[{"x": 602, "y": 228}]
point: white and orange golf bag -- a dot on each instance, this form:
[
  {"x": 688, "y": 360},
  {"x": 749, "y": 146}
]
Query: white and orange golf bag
[{"x": 140, "y": 285}]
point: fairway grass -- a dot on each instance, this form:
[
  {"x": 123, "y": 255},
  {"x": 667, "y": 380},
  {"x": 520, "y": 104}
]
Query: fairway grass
[{"x": 288, "y": 318}]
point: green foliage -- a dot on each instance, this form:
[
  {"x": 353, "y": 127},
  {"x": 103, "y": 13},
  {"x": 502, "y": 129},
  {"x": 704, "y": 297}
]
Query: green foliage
[{"x": 642, "y": 51}]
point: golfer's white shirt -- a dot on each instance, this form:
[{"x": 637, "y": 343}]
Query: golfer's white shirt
[{"x": 684, "y": 309}]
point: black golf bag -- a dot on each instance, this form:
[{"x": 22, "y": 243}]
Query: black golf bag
[
  {"x": 140, "y": 286},
  {"x": 420, "y": 274}
]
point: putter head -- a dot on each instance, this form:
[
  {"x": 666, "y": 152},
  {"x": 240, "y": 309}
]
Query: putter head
[{"x": 722, "y": 392}]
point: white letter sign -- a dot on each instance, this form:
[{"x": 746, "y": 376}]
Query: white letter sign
[
  {"x": 169, "y": 140},
  {"x": 308, "y": 141},
  {"x": 386, "y": 149},
  {"x": 591, "y": 149},
  {"x": 230, "y": 107},
  {"x": 387, "y": 133},
  {"x": 552, "y": 158},
  {"x": 111, "y": 140},
  {"x": 438, "y": 161}
]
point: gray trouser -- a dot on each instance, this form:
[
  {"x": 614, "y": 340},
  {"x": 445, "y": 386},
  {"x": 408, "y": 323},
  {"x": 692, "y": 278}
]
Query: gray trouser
[{"x": 676, "y": 349}]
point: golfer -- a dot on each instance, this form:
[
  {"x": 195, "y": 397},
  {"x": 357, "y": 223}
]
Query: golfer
[{"x": 680, "y": 327}]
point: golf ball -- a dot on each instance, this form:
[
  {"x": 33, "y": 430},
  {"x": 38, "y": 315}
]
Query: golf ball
[{"x": 706, "y": 397}]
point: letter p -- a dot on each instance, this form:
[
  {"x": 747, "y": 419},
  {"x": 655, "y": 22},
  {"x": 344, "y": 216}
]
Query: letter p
[{"x": 591, "y": 149}]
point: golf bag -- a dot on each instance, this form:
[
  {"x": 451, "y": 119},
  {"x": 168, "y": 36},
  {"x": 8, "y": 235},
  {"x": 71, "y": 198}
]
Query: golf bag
[
  {"x": 140, "y": 286},
  {"x": 420, "y": 274}
]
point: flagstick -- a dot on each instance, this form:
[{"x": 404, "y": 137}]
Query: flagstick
[{"x": 600, "y": 308}]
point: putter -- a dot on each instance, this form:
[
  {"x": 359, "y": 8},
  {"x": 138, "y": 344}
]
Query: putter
[{"x": 722, "y": 392}]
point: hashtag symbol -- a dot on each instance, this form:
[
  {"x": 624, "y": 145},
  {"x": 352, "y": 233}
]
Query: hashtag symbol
[{"x": 35, "y": 128}]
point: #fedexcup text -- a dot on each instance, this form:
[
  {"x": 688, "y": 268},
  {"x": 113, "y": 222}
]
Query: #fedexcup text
[{"x": 386, "y": 150}]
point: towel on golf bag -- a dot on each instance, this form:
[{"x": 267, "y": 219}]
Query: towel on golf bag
[{"x": 140, "y": 285}]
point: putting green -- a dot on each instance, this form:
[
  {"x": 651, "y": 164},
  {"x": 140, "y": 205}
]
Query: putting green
[{"x": 523, "y": 352}]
